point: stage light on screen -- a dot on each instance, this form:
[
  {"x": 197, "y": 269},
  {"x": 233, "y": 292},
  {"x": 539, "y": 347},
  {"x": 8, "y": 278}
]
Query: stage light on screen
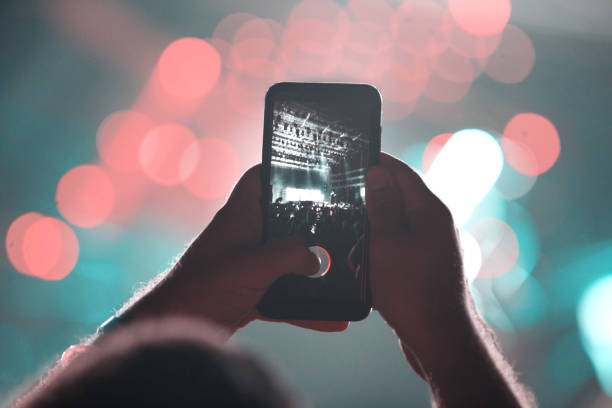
[
  {"x": 303, "y": 194},
  {"x": 169, "y": 154},
  {"x": 593, "y": 314},
  {"x": 85, "y": 196},
  {"x": 189, "y": 68},
  {"x": 464, "y": 171},
  {"x": 50, "y": 249},
  {"x": 531, "y": 143},
  {"x": 482, "y": 18}
]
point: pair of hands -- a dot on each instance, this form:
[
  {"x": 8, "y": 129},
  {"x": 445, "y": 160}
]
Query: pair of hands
[{"x": 416, "y": 275}]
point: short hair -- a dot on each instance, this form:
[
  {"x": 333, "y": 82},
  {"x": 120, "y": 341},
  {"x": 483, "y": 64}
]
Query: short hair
[{"x": 179, "y": 363}]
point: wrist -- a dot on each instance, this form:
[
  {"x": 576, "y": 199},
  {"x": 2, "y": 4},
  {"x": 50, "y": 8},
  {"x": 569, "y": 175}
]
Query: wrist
[{"x": 460, "y": 367}]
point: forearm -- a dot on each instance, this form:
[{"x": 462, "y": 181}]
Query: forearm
[{"x": 465, "y": 368}]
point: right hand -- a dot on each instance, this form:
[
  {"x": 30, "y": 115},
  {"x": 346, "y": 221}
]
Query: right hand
[{"x": 416, "y": 270}]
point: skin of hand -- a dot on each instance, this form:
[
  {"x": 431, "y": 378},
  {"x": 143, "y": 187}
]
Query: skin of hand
[
  {"x": 417, "y": 278},
  {"x": 226, "y": 270},
  {"x": 418, "y": 287}
]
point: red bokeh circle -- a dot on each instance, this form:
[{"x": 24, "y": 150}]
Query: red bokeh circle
[
  {"x": 513, "y": 59},
  {"x": 85, "y": 196},
  {"x": 50, "y": 249},
  {"x": 189, "y": 68},
  {"x": 119, "y": 137},
  {"x": 14, "y": 239},
  {"x": 531, "y": 143},
  {"x": 482, "y": 18},
  {"x": 217, "y": 171},
  {"x": 422, "y": 27},
  {"x": 169, "y": 154}
]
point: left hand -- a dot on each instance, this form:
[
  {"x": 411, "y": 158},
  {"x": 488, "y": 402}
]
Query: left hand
[{"x": 226, "y": 270}]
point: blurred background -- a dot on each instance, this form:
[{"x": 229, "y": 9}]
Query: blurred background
[{"x": 125, "y": 124}]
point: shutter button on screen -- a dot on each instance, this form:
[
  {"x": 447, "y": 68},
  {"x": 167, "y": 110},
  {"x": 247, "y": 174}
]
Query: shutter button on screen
[{"x": 324, "y": 260}]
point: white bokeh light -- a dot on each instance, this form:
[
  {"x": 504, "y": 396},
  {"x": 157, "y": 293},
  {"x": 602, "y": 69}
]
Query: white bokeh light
[
  {"x": 472, "y": 257},
  {"x": 464, "y": 171}
]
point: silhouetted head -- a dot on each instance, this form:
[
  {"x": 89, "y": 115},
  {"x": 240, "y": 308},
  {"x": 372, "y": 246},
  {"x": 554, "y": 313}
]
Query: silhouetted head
[{"x": 171, "y": 363}]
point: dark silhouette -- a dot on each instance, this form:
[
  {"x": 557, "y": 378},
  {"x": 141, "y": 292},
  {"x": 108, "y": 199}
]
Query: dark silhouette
[{"x": 417, "y": 283}]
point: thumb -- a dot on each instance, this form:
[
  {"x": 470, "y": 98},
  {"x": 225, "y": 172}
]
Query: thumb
[
  {"x": 266, "y": 264},
  {"x": 383, "y": 201}
]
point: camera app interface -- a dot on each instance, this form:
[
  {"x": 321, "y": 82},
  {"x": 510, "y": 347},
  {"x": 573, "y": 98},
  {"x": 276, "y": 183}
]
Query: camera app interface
[{"x": 320, "y": 155}]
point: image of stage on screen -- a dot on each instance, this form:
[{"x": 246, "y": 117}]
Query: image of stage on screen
[{"x": 318, "y": 181}]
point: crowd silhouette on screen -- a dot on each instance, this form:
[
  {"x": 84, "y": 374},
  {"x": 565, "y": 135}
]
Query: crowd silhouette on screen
[{"x": 336, "y": 227}]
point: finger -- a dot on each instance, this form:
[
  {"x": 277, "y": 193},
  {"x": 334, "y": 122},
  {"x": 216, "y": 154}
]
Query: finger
[
  {"x": 318, "y": 325},
  {"x": 263, "y": 265},
  {"x": 413, "y": 360},
  {"x": 420, "y": 206},
  {"x": 321, "y": 325},
  {"x": 383, "y": 201}
]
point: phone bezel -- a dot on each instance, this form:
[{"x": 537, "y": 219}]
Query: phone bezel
[{"x": 352, "y": 93}]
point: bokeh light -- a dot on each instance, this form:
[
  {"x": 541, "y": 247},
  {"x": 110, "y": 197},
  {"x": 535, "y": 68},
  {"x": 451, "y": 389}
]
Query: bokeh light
[
  {"x": 498, "y": 244},
  {"x": 593, "y": 314},
  {"x": 472, "y": 257},
  {"x": 529, "y": 248},
  {"x": 253, "y": 44},
  {"x": 397, "y": 110},
  {"x": 473, "y": 46},
  {"x": 464, "y": 171},
  {"x": 483, "y": 18},
  {"x": 189, "y": 68},
  {"x": 217, "y": 170},
  {"x": 444, "y": 91},
  {"x": 528, "y": 304},
  {"x": 316, "y": 33},
  {"x": 318, "y": 27},
  {"x": 130, "y": 193},
  {"x": 512, "y": 184},
  {"x": 246, "y": 89},
  {"x": 513, "y": 59},
  {"x": 376, "y": 12},
  {"x": 169, "y": 154},
  {"x": 14, "y": 239},
  {"x": 526, "y": 231},
  {"x": 422, "y": 27},
  {"x": 531, "y": 143},
  {"x": 119, "y": 137},
  {"x": 85, "y": 196},
  {"x": 433, "y": 148},
  {"x": 227, "y": 27},
  {"x": 455, "y": 67},
  {"x": 50, "y": 249}
]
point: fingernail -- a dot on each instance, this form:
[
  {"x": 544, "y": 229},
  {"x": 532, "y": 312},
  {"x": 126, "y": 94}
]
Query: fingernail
[{"x": 377, "y": 178}]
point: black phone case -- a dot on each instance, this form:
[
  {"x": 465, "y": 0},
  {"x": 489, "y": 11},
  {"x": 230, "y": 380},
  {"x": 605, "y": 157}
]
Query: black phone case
[{"x": 323, "y": 298}]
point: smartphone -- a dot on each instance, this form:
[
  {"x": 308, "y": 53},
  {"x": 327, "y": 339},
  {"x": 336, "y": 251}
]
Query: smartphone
[{"x": 319, "y": 140}]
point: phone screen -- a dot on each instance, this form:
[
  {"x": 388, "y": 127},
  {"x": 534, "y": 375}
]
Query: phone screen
[{"x": 321, "y": 148}]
